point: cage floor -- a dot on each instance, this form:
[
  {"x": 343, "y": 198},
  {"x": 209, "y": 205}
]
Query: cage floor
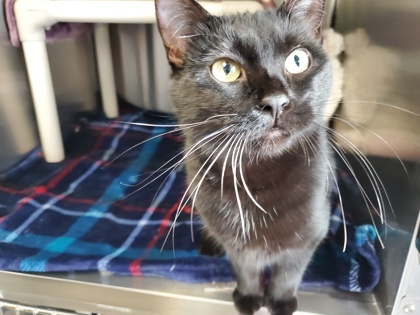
[{"x": 94, "y": 293}]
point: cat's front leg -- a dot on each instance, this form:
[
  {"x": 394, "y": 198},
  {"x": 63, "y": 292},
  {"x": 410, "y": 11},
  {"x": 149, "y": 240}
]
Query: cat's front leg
[
  {"x": 248, "y": 295},
  {"x": 286, "y": 276}
]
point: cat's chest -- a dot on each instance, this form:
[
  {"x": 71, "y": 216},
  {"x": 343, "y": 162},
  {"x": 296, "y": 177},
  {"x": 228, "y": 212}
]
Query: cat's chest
[
  {"x": 263, "y": 186},
  {"x": 269, "y": 221},
  {"x": 265, "y": 206}
]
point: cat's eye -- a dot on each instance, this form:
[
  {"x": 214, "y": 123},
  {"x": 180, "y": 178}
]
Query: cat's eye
[
  {"x": 298, "y": 61},
  {"x": 226, "y": 70}
]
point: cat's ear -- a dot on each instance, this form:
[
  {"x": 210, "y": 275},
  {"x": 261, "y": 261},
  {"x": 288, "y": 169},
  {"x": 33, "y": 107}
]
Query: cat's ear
[
  {"x": 309, "y": 10},
  {"x": 178, "y": 22}
]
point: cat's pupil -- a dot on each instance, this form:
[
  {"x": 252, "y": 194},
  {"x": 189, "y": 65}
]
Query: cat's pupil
[
  {"x": 227, "y": 68},
  {"x": 297, "y": 60}
]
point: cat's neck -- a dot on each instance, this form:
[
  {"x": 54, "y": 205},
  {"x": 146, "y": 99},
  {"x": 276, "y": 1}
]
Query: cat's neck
[{"x": 263, "y": 173}]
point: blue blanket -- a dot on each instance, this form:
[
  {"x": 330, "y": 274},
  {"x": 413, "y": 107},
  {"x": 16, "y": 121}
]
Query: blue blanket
[{"x": 85, "y": 214}]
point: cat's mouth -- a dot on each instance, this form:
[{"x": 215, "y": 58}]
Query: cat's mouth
[
  {"x": 277, "y": 133},
  {"x": 276, "y": 137}
]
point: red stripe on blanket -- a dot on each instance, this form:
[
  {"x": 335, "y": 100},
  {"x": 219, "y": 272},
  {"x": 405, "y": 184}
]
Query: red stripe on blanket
[
  {"x": 134, "y": 267},
  {"x": 61, "y": 175},
  {"x": 119, "y": 204}
]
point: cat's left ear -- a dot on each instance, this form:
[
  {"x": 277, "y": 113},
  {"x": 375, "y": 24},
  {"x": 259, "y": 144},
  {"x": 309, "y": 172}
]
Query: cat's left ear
[
  {"x": 178, "y": 22},
  {"x": 309, "y": 10}
]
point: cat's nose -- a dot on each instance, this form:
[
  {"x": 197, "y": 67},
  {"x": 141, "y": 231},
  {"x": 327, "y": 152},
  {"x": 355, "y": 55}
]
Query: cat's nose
[{"x": 275, "y": 105}]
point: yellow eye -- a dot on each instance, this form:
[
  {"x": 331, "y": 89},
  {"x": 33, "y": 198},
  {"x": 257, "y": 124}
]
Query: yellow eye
[{"x": 226, "y": 70}]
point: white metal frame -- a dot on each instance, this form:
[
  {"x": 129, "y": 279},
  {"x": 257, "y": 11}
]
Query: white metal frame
[{"x": 34, "y": 16}]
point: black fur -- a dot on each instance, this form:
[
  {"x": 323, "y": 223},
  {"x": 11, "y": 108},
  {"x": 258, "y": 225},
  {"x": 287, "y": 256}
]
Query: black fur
[{"x": 276, "y": 119}]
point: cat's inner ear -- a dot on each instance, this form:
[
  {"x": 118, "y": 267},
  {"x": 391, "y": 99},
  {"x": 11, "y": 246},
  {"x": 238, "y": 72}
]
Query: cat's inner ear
[
  {"x": 179, "y": 21},
  {"x": 309, "y": 10}
]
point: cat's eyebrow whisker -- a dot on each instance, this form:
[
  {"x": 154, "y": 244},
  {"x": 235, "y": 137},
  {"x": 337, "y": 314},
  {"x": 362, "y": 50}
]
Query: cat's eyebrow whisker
[
  {"x": 243, "y": 179},
  {"x": 172, "y": 19},
  {"x": 189, "y": 36},
  {"x": 179, "y": 27}
]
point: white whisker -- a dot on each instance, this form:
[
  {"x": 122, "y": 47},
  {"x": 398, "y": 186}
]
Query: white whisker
[
  {"x": 179, "y": 125},
  {"x": 377, "y": 135},
  {"x": 332, "y": 171},
  {"x": 211, "y": 136},
  {"x": 386, "y": 105},
  {"x": 364, "y": 194},
  {"x": 222, "y": 179},
  {"x": 182, "y": 202},
  {"x": 235, "y": 154},
  {"x": 370, "y": 172},
  {"x": 243, "y": 180}
]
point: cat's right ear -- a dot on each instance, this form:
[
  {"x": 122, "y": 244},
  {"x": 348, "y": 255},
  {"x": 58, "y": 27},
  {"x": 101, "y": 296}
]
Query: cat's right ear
[
  {"x": 309, "y": 10},
  {"x": 178, "y": 22}
]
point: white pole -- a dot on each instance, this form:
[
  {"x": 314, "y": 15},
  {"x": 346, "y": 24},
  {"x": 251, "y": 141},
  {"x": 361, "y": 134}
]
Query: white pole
[
  {"x": 121, "y": 11},
  {"x": 106, "y": 70},
  {"x": 44, "y": 100}
]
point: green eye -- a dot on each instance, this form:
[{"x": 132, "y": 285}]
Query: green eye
[
  {"x": 226, "y": 70},
  {"x": 298, "y": 61}
]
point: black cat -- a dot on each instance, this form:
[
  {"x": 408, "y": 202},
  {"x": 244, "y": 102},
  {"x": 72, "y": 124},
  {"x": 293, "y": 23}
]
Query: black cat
[{"x": 259, "y": 164}]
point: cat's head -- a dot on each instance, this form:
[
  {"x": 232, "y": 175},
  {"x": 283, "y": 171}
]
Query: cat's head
[{"x": 266, "y": 71}]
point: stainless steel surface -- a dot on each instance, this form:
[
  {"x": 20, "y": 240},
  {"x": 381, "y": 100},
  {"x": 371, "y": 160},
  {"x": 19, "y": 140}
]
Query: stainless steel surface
[
  {"x": 112, "y": 295},
  {"x": 382, "y": 74},
  {"x": 407, "y": 300},
  {"x": 11, "y": 308},
  {"x": 389, "y": 73}
]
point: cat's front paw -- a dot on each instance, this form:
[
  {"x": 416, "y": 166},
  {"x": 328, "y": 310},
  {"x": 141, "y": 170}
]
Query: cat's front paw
[
  {"x": 247, "y": 304},
  {"x": 282, "y": 307}
]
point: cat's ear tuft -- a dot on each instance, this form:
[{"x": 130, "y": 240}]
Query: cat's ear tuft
[
  {"x": 309, "y": 10},
  {"x": 178, "y": 22}
]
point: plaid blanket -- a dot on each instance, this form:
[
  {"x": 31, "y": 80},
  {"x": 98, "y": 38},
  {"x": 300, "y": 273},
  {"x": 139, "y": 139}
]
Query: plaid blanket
[{"x": 87, "y": 213}]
